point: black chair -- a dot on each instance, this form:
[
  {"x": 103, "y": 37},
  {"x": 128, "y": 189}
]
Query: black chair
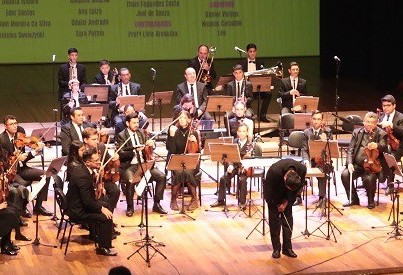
[
  {"x": 352, "y": 121},
  {"x": 295, "y": 140},
  {"x": 286, "y": 124}
]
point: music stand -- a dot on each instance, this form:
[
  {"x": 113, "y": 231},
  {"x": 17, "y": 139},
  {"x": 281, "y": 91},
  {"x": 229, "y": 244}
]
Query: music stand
[
  {"x": 94, "y": 112},
  {"x": 260, "y": 84},
  {"x": 302, "y": 120},
  {"x": 181, "y": 163},
  {"x": 309, "y": 103},
  {"x": 44, "y": 135},
  {"x": 138, "y": 101},
  {"x": 225, "y": 153},
  {"x": 96, "y": 93},
  {"x": 220, "y": 104},
  {"x": 224, "y": 80},
  {"x": 160, "y": 98}
]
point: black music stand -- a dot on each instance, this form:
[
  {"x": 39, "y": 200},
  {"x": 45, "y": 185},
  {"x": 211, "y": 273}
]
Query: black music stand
[
  {"x": 160, "y": 98},
  {"x": 225, "y": 153},
  {"x": 138, "y": 101},
  {"x": 260, "y": 84},
  {"x": 180, "y": 163},
  {"x": 220, "y": 104},
  {"x": 44, "y": 135},
  {"x": 95, "y": 112},
  {"x": 309, "y": 103},
  {"x": 96, "y": 93},
  {"x": 326, "y": 150},
  {"x": 302, "y": 120},
  {"x": 144, "y": 178}
]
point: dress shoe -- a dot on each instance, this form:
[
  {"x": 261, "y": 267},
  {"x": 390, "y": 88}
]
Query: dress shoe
[
  {"x": 290, "y": 253},
  {"x": 8, "y": 251},
  {"x": 26, "y": 214},
  {"x": 158, "y": 209},
  {"x": 347, "y": 204},
  {"x": 264, "y": 119},
  {"x": 105, "y": 251},
  {"x": 129, "y": 212},
  {"x": 14, "y": 247},
  {"x": 298, "y": 201},
  {"x": 20, "y": 237},
  {"x": 23, "y": 223},
  {"x": 42, "y": 211},
  {"x": 371, "y": 205},
  {"x": 217, "y": 204},
  {"x": 114, "y": 231},
  {"x": 276, "y": 254}
]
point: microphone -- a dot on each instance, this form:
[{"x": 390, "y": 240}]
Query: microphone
[
  {"x": 239, "y": 50},
  {"x": 153, "y": 70},
  {"x": 336, "y": 58},
  {"x": 53, "y": 58}
]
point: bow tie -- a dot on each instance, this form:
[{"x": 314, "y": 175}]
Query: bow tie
[{"x": 252, "y": 62}]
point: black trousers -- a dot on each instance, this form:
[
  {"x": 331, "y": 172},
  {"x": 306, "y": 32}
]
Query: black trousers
[
  {"x": 265, "y": 98},
  {"x": 278, "y": 222},
  {"x": 26, "y": 175},
  {"x": 225, "y": 183},
  {"x": 368, "y": 179},
  {"x": 112, "y": 193}
]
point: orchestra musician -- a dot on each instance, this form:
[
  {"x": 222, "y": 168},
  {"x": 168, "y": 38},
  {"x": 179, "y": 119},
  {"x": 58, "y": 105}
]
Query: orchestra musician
[
  {"x": 120, "y": 120},
  {"x": 201, "y": 60},
  {"x": 240, "y": 117},
  {"x": 82, "y": 204},
  {"x": 25, "y": 174},
  {"x": 251, "y": 64},
  {"x": 284, "y": 179},
  {"x": 70, "y": 70},
  {"x": 292, "y": 87},
  {"x": 129, "y": 155},
  {"x": 365, "y": 141},
  {"x": 196, "y": 89},
  {"x": 106, "y": 76},
  {"x": 123, "y": 88},
  {"x": 8, "y": 221},
  {"x": 187, "y": 103},
  {"x": 72, "y": 100},
  {"x": 180, "y": 136},
  {"x": 246, "y": 148}
]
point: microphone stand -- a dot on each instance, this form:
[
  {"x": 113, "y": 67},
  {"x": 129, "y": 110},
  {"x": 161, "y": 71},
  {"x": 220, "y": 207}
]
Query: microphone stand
[
  {"x": 55, "y": 99},
  {"x": 336, "y": 106},
  {"x": 153, "y": 93}
]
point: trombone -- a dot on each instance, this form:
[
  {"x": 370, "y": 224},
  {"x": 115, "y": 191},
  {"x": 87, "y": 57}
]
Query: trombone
[{"x": 203, "y": 75}]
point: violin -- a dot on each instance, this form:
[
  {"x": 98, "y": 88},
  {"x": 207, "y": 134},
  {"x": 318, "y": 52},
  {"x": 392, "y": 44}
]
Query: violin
[
  {"x": 192, "y": 147},
  {"x": 22, "y": 140},
  {"x": 111, "y": 171},
  {"x": 12, "y": 170},
  {"x": 148, "y": 150},
  {"x": 4, "y": 188},
  {"x": 392, "y": 140},
  {"x": 372, "y": 163}
]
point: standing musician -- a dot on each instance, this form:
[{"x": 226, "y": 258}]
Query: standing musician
[
  {"x": 365, "y": 142},
  {"x": 25, "y": 174},
  {"x": 284, "y": 180},
  {"x": 183, "y": 139},
  {"x": 290, "y": 88},
  {"x": 106, "y": 76},
  {"x": 251, "y": 64},
  {"x": 123, "y": 88},
  {"x": 392, "y": 122},
  {"x": 240, "y": 117},
  {"x": 72, "y": 100},
  {"x": 246, "y": 148},
  {"x": 69, "y": 71},
  {"x": 200, "y": 62},
  {"x": 82, "y": 204},
  {"x": 129, "y": 155}
]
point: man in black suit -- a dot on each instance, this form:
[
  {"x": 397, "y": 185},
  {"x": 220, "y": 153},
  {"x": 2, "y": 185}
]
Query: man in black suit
[
  {"x": 75, "y": 98},
  {"x": 69, "y": 71},
  {"x": 25, "y": 174},
  {"x": 131, "y": 154},
  {"x": 106, "y": 76},
  {"x": 372, "y": 137},
  {"x": 123, "y": 88},
  {"x": 201, "y": 59},
  {"x": 251, "y": 64},
  {"x": 284, "y": 180},
  {"x": 196, "y": 89},
  {"x": 121, "y": 119},
  {"x": 292, "y": 87},
  {"x": 82, "y": 204},
  {"x": 73, "y": 130}
]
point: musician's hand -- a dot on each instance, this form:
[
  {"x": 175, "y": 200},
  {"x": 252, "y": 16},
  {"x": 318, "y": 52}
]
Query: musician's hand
[
  {"x": 372, "y": 145},
  {"x": 294, "y": 92},
  {"x": 103, "y": 191},
  {"x": 40, "y": 146},
  {"x": 385, "y": 124},
  {"x": 323, "y": 136},
  {"x": 140, "y": 148},
  {"x": 172, "y": 130},
  {"x": 106, "y": 212},
  {"x": 118, "y": 101},
  {"x": 206, "y": 66},
  {"x": 199, "y": 112},
  {"x": 307, "y": 163},
  {"x": 281, "y": 207},
  {"x": 150, "y": 143},
  {"x": 71, "y": 104},
  {"x": 219, "y": 88},
  {"x": 297, "y": 108},
  {"x": 115, "y": 157},
  {"x": 23, "y": 157},
  {"x": 350, "y": 168},
  {"x": 192, "y": 138},
  {"x": 230, "y": 169},
  {"x": 241, "y": 99},
  {"x": 3, "y": 205}
]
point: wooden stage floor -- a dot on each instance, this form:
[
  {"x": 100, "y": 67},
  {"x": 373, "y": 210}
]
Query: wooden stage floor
[{"x": 215, "y": 244}]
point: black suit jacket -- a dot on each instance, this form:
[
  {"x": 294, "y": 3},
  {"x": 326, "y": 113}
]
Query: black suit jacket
[
  {"x": 64, "y": 77},
  {"x": 99, "y": 78},
  {"x": 194, "y": 63},
  {"x": 82, "y": 99},
  {"x": 275, "y": 191},
  {"x": 9, "y": 147},
  {"x": 259, "y": 64},
  {"x": 246, "y": 87},
  {"x": 202, "y": 93},
  {"x": 126, "y": 154},
  {"x": 135, "y": 89},
  {"x": 67, "y": 134},
  {"x": 286, "y": 87},
  {"x": 397, "y": 129}
]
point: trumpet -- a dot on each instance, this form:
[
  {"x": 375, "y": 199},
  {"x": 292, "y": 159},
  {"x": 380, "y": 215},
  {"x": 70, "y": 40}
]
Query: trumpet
[{"x": 203, "y": 75}]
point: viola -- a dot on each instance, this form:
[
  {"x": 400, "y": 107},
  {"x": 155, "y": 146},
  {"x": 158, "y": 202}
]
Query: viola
[
  {"x": 111, "y": 171},
  {"x": 148, "y": 150},
  {"x": 372, "y": 163},
  {"x": 192, "y": 147}
]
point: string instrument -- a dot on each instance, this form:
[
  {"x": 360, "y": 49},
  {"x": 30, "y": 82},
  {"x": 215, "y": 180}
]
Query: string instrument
[
  {"x": 4, "y": 188},
  {"x": 249, "y": 171},
  {"x": 102, "y": 136},
  {"x": 116, "y": 76},
  {"x": 99, "y": 184},
  {"x": 22, "y": 140},
  {"x": 192, "y": 147},
  {"x": 110, "y": 171},
  {"x": 392, "y": 140},
  {"x": 372, "y": 163},
  {"x": 148, "y": 150},
  {"x": 204, "y": 75}
]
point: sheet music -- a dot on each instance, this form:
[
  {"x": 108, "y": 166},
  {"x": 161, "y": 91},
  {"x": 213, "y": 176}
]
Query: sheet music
[
  {"x": 139, "y": 188},
  {"x": 37, "y": 187}
]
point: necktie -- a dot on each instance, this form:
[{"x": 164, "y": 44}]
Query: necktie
[
  {"x": 252, "y": 62},
  {"x": 71, "y": 72},
  {"x": 106, "y": 79},
  {"x": 126, "y": 90},
  {"x": 294, "y": 84},
  {"x": 316, "y": 136},
  {"x": 387, "y": 117},
  {"x": 238, "y": 93}
]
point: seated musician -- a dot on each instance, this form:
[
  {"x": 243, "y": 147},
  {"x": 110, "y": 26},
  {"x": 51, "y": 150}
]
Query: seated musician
[
  {"x": 315, "y": 132},
  {"x": 130, "y": 155},
  {"x": 124, "y": 88},
  {"x": 240, "y": 110},
  {"x": 73, "y": 131},
  {"x": 392, "y": 121},
  {"x": 8, "y": 221},
  {"x": 25, "y": 174},
  {"x": 120, "y": 122},
  {"x": 241, "y": 89},
  {"x": 82, "y": 204},
  {"x": 367, "y": 138},
  {"x": 246, "y": 149},
  {"x": 181, "y": 137},
  {"x": 106, "y": 76},
  {"x": 291, "y": 87},
  {"x": 72, "y": 100},
  {"x": 196, "y": 89}
]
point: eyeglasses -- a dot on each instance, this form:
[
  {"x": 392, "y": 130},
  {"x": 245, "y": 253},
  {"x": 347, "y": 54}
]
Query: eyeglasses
[
  {"x": 386, "y": 105},
  {"x": 12, "y": 124}
]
